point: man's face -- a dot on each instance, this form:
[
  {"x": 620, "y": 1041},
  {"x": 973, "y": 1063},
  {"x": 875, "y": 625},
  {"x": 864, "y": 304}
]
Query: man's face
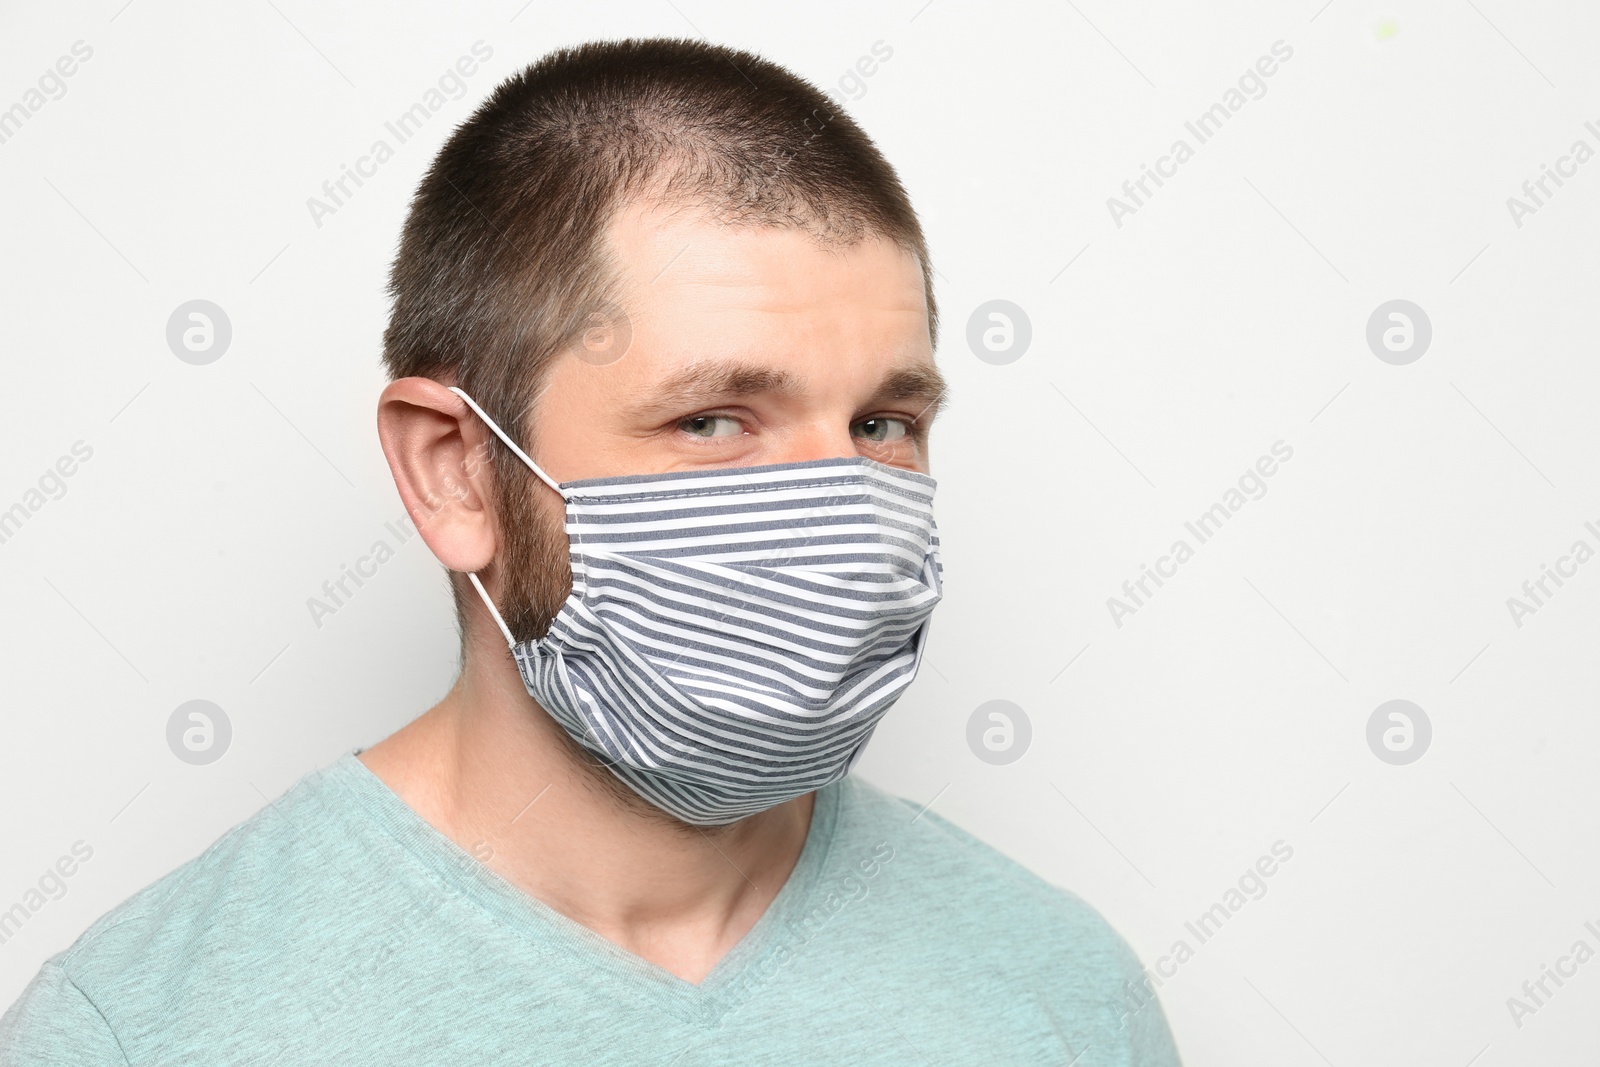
[
  {"x": 741, "y": 347},
  {"x": 748, "y": 346}
]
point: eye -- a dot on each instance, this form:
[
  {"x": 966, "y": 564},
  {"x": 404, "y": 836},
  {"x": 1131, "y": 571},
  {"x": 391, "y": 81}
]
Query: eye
[
  {"x": 706, "y": 426},
  {"x": 880, "y": 429}
]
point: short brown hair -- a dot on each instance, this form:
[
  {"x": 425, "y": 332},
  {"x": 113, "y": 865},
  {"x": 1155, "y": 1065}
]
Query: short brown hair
[{"x": 503, "y": 261}]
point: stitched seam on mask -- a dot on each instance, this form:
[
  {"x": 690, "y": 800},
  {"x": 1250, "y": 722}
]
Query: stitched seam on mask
[{"x": 634, "y": 498}]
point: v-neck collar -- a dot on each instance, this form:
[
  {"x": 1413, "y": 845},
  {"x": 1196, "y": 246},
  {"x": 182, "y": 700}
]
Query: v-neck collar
[{"x": 553, "y": 933}]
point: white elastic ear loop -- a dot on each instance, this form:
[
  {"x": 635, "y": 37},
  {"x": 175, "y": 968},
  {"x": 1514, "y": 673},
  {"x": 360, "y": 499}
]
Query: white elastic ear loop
[
  {"x": 511, "y": 642},
  {"x": 473, "y": 404}
]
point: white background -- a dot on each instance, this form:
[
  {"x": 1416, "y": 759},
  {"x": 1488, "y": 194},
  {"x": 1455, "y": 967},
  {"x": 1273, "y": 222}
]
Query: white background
[{"x": 1228, "y": 313}]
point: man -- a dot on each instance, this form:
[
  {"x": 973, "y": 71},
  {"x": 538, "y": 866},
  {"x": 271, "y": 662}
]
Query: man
[{"x": 662, "y": 355}]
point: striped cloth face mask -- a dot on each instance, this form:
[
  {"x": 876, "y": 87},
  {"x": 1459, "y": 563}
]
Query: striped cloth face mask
[{"x": 733, "y": 636}]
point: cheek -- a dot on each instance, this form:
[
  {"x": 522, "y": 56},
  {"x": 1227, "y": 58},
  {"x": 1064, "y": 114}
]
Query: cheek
[{"x": 536, "y": 555}]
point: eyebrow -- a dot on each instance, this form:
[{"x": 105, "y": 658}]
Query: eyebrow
[{"x": 704, "y": 381}]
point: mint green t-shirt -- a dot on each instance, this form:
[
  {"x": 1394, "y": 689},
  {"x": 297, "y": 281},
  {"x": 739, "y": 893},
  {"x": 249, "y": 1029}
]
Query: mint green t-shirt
[{"x": 336, "y": 926}]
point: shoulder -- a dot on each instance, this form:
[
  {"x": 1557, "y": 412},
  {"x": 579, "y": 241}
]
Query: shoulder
[
  {"x": 53, "y": 1022},
  {"x": 215, "y": 919},
  {"x": 996, "y": 904},
  {"x": 955, "y": 859},
  {"x": 950, "y": 904}
]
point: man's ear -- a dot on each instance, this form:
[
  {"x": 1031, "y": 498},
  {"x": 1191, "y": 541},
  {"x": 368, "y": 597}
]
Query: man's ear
[{"x": 438, "y": 452}]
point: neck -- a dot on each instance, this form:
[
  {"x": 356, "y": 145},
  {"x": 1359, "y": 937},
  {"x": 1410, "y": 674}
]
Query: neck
[{"x": 491, "y": 770}]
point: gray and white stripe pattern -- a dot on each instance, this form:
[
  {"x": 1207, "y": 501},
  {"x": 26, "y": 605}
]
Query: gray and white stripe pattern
[{"x": 734, "y": 636}]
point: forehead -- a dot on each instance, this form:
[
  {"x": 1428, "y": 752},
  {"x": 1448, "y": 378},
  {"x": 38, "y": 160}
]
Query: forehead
[{"x": 679, "y": 269}]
